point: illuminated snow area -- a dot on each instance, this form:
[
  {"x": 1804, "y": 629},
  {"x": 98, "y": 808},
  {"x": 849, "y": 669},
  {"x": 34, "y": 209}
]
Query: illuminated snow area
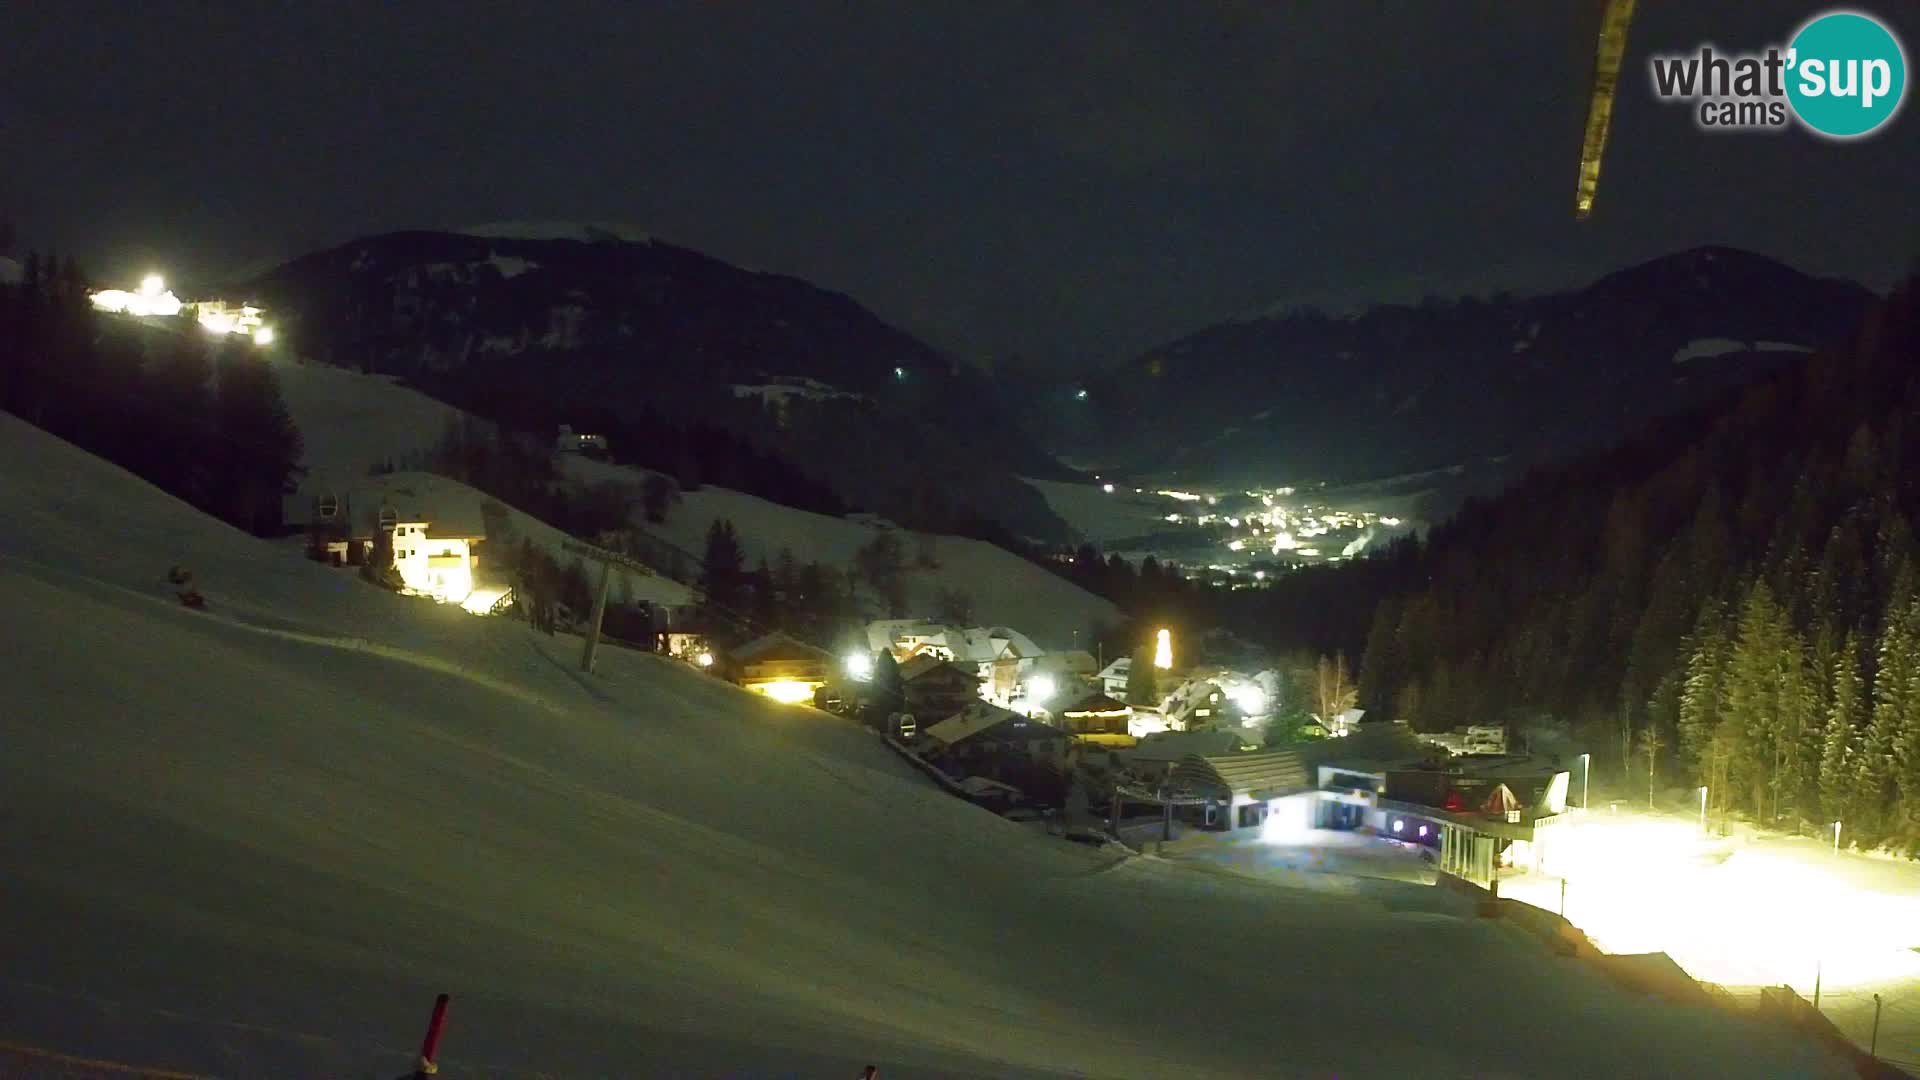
[
  {"x": 1746, "y": 911},
  {"x": 255, "y": 840}
]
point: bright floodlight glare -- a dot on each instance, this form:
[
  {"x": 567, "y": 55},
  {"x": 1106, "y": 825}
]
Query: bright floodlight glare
[
  {"x": 1108, "y": 488},
  {"x": 1040, "y": 688},
  {"x": 860, "y": 666},
  {"x": 1250, "y": 698},
  {"x": 152, "y": 285},
  {"x": 788, "y": 691},
  {"x": 1760, "y": 914},
  {"x": 705, "y": 659},
  {"x": 263, "y": 336}
]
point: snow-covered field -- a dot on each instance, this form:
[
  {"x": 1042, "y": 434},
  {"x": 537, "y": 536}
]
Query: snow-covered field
[
  {"x": 1100, "y": 516},
  {"x": 1747, "y": 911},
  {"x": 255, "y": 840},
  {"x": 1006, "y": 590}
]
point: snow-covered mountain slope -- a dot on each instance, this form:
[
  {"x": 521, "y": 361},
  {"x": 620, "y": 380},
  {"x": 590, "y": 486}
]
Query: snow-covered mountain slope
[
  {"x": 1006, "y": 589},
  {"x": 255, "y": 840},
  {"x": 351, "y": 421}
]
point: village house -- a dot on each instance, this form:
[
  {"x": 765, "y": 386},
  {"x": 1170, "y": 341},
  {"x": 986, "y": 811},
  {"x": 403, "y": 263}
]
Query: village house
[
  {"x": 933, "y": 687},
  {"x": 435, "y": 541},
  {"x": 1198, "y": 704},
  {"x": 781, "y": 668},
  {"x": 1151, "y": 761},
  {"x": 569, "y": 441},
  {"x": 1098, "y": 719},
  {"x": 1003, "y": 656},
  {"x": 984, "y": 730},
  {"x": 1113, "y": 677},
  {"x": 1478, "y": 813}
]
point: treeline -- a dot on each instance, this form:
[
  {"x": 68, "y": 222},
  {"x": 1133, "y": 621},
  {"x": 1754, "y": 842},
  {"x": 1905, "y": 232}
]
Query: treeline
[
  {"x": 1727, "y": 602},
  {"x": 201, "y": 418},
  {"x": 693, "y": 452},
  {"x": 521, "y": 471}
]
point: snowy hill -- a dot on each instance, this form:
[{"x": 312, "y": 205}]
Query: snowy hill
[
  {"x": 1006, "y": 590},
  {"x": 350, "y": 421},
  {"x": 255, "y": 840}
]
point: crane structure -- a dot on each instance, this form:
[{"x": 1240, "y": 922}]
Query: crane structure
[{"x": 1612, "y": 48}]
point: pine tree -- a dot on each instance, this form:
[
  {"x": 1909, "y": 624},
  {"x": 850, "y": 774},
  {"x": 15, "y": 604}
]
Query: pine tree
[
  {"x": 1895, "y": 700},
  {"x": 1381, "y": 665},
  {"x": 721, "y": 578},
  {"x": 882, "y": 564},
  {"x": 257, "y": 447},
  {"x": 1903, "y": 727},
  {"x": 1838, "y": 743},
  {"x": 1143, "y": 679},
  {"x": 1702, "y": 699}
]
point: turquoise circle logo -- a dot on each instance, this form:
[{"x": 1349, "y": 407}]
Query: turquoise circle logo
[{"x": 1847, "y": 74}]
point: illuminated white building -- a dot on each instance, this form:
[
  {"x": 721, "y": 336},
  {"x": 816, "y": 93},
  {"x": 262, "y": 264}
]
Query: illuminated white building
[{"x": 439, "y": 567}]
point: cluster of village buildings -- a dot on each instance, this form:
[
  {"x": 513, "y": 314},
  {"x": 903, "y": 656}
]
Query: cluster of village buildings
[
  {"x": 987, "y": 710},
  {"x": 1009, "y": 724}
]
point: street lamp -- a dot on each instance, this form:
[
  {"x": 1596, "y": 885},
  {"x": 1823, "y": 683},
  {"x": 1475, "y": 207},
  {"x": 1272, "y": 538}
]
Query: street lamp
[
  {"x": 1703, "y": 808},
  {"x": 1586, "y": 769}
]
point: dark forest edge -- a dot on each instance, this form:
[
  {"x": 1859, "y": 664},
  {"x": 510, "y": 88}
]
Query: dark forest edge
[{"x": 1728, "y": 601}]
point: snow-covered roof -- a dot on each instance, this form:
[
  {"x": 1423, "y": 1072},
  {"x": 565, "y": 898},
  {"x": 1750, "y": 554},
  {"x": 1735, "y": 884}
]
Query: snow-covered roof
[
  {"x": 976, "y": 718},
  {"x": 1119, "y": 669},
  {"x": 449, "y": 509},
  {"x": 1175, "y": 745},
  {"x": 927, "y": 664},
  {"x": 1262, "y": 774},
  {"x": 1095, "y": 703},
  {"x": 778, "y": 646},
  {"x": 1070, "y": 662}
]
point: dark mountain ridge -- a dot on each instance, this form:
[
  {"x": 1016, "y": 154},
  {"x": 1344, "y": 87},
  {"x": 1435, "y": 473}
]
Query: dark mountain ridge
[
  {"x": 538, "y": 331},
  {"x": 1396, "y": 389}
]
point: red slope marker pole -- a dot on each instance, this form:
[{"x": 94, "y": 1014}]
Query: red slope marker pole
[{"x": 430, "y": 1046}]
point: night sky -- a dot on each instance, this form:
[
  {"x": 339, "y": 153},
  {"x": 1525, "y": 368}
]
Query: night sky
[{"x": 1062, "y": 181}]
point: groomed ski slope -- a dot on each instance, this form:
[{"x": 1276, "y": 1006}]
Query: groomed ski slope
[{"x": 256, "y": 840}]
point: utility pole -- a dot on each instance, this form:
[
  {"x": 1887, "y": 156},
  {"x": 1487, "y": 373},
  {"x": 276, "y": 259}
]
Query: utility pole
[{"x": 606, "y": 559}]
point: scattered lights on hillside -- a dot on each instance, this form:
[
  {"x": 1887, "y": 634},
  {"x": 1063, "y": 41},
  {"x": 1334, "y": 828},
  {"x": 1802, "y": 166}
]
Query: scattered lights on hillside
[
  {"x": 1183, "y": 496},
  {"x": 153, "y": 298}
]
